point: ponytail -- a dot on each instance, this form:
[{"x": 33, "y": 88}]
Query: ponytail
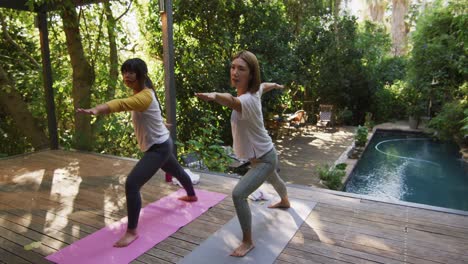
[{"x": 149, "y": 84}]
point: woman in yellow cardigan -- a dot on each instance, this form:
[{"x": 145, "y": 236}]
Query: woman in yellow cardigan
[{"x": 153, "y": 139}]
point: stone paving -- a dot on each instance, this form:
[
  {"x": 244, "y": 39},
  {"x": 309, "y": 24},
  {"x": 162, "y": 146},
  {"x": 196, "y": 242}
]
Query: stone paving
[{"x": 300, "y": 153}]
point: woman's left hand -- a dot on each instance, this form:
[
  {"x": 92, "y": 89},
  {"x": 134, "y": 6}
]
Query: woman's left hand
[{"x": 279, "y": 86}]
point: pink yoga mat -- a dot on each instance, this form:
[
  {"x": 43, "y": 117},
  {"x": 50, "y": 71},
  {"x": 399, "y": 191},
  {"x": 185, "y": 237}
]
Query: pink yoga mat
[{"x": 158, "y": 221}]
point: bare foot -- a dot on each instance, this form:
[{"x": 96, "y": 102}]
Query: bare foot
[
  {"x": 126, "y": 239},
  {"x": 242, "y": 250},
  {"x": 187, "y": 198},
  {"x": 280, "y": 204}
]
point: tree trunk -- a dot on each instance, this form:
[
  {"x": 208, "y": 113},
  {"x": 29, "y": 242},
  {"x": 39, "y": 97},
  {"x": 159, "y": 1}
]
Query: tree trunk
[
  {"x": 83, "y": 77},
  {"x": 399, "y": 28},
  {"x": 336, "y": 8},
  {"x": 18, "y": 110},
  {"x": 113, "y": 61},
  {"x": 113, "y": 57},
  {"x": 377, "y": 10},
  {"x": 295, "y": 12}
]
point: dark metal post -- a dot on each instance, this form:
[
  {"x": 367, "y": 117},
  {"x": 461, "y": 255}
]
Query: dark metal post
[
  {"x": 47, "y": 79},
  {"x": 169, "y": 79}
]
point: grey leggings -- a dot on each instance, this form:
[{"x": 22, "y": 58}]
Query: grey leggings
[{"x": 263, "y": 169}]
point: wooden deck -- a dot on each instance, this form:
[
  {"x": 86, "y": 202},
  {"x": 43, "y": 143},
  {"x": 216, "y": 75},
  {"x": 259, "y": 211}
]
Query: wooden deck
[{"x": 58, "y": 197}]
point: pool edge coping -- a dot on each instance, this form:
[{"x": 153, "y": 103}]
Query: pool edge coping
[{"x": 375, "y": 199}]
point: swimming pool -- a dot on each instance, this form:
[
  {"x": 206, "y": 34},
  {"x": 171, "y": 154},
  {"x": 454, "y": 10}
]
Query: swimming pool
[{"x": 411, "y": 167}]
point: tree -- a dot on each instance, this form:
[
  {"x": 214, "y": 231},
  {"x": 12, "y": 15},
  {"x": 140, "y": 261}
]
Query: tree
[
  {"x": 298, "y": 11},
  {"x": 207, "y": 34},
  {"x": 14, "y": 105},
  {"x": 20, "y": 87},
  {"x": 438, "y": 65},
  {"x": 399, "y": 27},
  {"x": 83, "y": 75},
  {"x": 377, "y": 9},
  {"x": 113, "y": 58}
]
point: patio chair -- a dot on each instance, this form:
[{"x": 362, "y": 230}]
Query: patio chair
[
  {"x": 297, "y": 120},
  {"x": 325, "y": 116},
  {"x": 192, "y": 160}
]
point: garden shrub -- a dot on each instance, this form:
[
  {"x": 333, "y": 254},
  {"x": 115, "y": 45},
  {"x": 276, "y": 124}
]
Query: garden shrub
[
  {"x": 331, "y": 176},
  {"x": 208, "y": 146},
  {"x": 449, "y": 122}
]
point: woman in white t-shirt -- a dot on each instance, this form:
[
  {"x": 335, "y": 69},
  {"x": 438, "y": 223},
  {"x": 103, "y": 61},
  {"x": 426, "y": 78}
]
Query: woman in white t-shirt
[{"x": 250, "y": 140}]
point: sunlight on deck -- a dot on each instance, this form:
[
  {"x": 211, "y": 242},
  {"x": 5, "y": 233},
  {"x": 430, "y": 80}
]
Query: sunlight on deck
[
  {"x": 113, "y": 202},
  {"x": 33, "y": 178},
  {"x": 64, "y": 189},
  {"x": 372, "y": 242}
]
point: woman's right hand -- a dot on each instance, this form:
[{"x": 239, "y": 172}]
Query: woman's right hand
[
  {"x": 90, "y": 111},
  {"x": 207, "y": 97}
]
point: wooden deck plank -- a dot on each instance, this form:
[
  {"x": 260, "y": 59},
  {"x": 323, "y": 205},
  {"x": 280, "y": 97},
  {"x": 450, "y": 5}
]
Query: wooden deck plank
[
  {"x": 62, "y": 210},
  {"x": 431, "y": 244},
  {"x": 8, "y": 257},
  {"x": 442, "y": 237},
  {"x": 282, "y": 262},
  {"x": 459, "y": 234},
  {"x": 176, "y": 249},
  {"x": 326, "y": 248},
  {"x": 301, "y": 257},
  {"x": 436, "y": 255},
  {"x": 50, "y": 239},
  {"x": 164, "y": 255},
  {"x": 320, "y": 223},
  {"x": 150, "y": 259},
  {"x": 391, "y": 247},
  {"x": 180, "y": 243},
  {"x": 15, "y": 245},
  {"x": 437, "y": 218},
  {"x": 355, "y": 222},
  {"x": 188, "y": 238},
  {"x": 323, "y": 254},
  {"x": 60, "y": 221}
]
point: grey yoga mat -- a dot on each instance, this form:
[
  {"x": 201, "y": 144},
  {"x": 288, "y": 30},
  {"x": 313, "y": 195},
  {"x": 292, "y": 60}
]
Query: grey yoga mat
[{"x": 271, "y": 228}]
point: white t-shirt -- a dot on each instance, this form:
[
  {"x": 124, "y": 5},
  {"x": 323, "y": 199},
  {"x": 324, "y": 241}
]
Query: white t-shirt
[
  {"x": 149, "y": 125},
  {"x": 250, "y": 138},
  {"x": 146, "y": 117}
]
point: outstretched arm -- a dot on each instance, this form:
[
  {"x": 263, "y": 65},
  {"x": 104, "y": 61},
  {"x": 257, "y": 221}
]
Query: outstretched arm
[
  {"x": 138, "y": 102},
  {"x": 271, "y": 86},
  {"x": 97, "y": 110},
  {"x": 224, "y": 99}
]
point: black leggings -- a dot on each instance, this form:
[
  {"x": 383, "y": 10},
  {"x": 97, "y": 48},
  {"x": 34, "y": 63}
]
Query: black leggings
[{"x": 158, "y": 156}]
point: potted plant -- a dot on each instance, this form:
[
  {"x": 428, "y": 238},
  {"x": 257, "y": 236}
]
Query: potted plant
[
  {"x": 361, "y": 136},
  {"x": 360, "y": 140}
]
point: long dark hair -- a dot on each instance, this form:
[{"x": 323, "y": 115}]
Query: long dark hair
[{"x": 138, "y": 66}]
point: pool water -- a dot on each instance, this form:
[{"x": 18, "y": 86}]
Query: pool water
[{"x": 411, "y": 167}]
